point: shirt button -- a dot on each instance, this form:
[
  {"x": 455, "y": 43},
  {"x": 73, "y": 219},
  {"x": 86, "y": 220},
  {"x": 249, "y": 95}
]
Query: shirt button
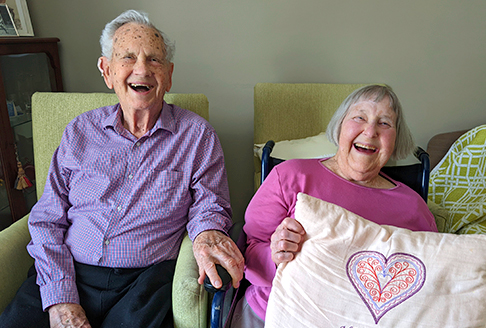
[
  {"x": 107, "y": 242},
  {"x": 119, "y": 208},
  {"x": 130, "y": 176},
  {"x": 137, "y": 144}
]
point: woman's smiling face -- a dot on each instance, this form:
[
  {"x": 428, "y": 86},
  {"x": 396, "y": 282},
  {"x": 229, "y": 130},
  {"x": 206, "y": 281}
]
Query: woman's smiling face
[{"x": 367, "y": 139}]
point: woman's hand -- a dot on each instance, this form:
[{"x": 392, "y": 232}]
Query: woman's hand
[{"x": 286, "y": 241}]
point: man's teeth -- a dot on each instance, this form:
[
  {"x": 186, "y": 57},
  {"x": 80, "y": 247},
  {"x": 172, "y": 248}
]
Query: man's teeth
[
  {"x": 364, "y": 146},
  {"x": 137, "y": 85}
]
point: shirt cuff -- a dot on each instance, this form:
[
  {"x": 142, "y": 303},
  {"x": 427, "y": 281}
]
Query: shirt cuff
[
  {"x": 64, "y": 291},
  {"x": 220, "y": 223}
]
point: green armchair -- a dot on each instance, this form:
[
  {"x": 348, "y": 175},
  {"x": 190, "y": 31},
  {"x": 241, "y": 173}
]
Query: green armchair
[{"x": 50, "y": 114}]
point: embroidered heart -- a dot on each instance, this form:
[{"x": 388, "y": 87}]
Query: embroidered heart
[{"x": 385, "y": 283}]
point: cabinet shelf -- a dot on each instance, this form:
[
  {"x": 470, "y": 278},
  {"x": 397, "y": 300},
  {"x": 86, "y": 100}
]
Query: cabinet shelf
[
  {"x": 16, "y": 121},
  {"x": 27, "y": 65}
]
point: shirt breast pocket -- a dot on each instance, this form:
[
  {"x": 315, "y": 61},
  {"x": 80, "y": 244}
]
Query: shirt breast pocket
[{"x": 169, "y": 190}]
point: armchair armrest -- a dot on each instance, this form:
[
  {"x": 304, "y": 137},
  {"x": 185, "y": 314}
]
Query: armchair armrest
[
  {"x": 14, "y": 260},
  {"x": 189, "y": 299}
]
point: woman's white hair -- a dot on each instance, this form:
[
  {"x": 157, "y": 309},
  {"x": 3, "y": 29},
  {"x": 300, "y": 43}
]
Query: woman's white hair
[
  {"x": 131, "y": 16},
  {"x": 404, "y": 144}
]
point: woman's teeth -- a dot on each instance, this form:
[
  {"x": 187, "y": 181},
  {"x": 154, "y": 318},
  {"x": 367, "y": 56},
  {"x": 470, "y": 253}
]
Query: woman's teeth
[{"x": 365, "y": 147}]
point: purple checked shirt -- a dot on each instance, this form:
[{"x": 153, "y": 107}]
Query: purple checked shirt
[{"x": 113, "y": 200}]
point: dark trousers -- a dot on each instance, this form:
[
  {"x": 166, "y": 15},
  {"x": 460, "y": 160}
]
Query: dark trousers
[{"x": 111, "y": 298}]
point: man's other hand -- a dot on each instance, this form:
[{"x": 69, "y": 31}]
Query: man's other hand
[
  {"x": 213, "y": 247},
  {"x": 68, "y": 315}
]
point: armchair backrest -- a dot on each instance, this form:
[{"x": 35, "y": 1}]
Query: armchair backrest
[{"x": 52, "y": 111}]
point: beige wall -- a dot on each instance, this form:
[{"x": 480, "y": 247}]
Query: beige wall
[{"x": 433, "y": 53}]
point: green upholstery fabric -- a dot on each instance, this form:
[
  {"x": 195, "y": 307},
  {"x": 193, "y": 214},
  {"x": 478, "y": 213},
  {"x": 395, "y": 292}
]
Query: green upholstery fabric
[
  {"x": 190, "y": 299},
  {"x": 14, "y": 260},
  {"x": 286, "y": 111},
  {"x": 51, "y": 112}
]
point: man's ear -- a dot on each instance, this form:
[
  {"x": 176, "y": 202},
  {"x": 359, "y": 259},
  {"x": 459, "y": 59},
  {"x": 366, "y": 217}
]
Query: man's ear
[
  {"x": 104, "y": 67},
  {"x": 171, "y": 70}
]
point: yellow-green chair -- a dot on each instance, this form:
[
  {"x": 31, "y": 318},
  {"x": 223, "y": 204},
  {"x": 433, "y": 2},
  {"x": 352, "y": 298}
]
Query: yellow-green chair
[{"x": 51, "y": 112}]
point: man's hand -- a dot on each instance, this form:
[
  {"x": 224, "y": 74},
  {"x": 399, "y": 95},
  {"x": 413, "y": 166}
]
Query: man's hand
[
  {"x": 286, "y": 241},
  {"x": 213, "y": 247},
  {"x": 68, "y": 315}
]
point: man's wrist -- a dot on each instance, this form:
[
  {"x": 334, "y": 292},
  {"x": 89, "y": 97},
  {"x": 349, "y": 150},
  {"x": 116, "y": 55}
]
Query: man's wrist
[{"x": 59, "y": 292}]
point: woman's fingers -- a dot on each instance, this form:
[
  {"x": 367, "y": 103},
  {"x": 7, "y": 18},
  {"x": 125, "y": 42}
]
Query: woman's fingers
[
  {"x": 293, "y": 225},
  {"x": 286, "y": 240}
]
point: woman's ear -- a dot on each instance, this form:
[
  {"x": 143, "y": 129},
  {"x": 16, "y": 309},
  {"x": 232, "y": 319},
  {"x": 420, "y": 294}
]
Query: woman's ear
[{"x": 104, "y": 67}]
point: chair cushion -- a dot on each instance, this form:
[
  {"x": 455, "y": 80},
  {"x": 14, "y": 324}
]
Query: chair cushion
[
  {"x": 352, "y": 272},
  {"x": 311, "y": 147},
  {"x": 458, "y": 183}
]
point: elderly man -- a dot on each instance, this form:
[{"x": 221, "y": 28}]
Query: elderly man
[{"x": 123, "y": 186}]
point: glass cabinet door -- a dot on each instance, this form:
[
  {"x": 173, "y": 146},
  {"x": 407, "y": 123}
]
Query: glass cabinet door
[
  {"x": 23, "y": 75},
  {"x": 5, "y": 214}
]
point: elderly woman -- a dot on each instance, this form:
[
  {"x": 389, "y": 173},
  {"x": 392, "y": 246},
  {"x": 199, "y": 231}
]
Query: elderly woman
[{"x": 368, "y": 129}]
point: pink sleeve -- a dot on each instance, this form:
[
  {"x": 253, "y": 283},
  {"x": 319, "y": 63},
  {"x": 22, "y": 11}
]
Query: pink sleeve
[{"x": 265, "y": 212}]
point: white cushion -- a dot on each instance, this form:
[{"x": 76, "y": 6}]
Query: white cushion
[
  {"x": 312, "y": 147},
  {"x": 338, "y": 280}
]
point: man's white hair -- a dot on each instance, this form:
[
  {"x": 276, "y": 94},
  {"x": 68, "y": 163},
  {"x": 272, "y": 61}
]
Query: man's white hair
[{"x": 131, "y": 16}]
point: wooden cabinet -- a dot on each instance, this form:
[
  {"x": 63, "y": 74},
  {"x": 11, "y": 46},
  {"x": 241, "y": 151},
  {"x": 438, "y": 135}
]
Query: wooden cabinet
[{"x": 27, "y": 65}]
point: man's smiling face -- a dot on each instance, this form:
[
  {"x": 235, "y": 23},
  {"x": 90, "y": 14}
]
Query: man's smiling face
[{"x": 138, "y": 70}]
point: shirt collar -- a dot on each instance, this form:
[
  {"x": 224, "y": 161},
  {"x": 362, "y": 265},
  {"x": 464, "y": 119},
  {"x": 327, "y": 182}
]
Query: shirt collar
[{"x": 164, "y": 122}]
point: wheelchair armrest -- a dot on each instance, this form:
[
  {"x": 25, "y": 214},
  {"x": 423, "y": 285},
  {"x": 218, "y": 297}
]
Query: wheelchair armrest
[
  {"x": 419, "y": 153},
  {"x": 423, "y": 156},
  {"x": 223, "y": 300},
  {"x": 266, "y": 167}
]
